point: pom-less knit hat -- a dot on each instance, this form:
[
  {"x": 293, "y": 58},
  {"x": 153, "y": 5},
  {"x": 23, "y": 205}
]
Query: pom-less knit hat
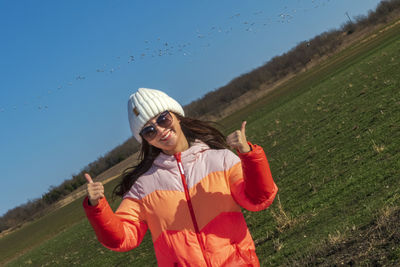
[{"x": 146, "y": 104}]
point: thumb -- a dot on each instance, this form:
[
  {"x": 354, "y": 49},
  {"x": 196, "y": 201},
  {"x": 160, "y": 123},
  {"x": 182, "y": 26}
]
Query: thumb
[
  {"x": 88, "y": 178},
  {"x": 243, "y": 128}
]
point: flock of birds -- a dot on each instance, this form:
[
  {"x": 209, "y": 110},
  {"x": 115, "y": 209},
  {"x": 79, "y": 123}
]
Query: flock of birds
[{"x": 159, "y": 48}]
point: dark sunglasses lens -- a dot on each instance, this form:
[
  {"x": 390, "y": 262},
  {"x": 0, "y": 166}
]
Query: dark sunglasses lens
[
  {"x": 148, "y": 132},
  {"x": 165, "y": 119}
]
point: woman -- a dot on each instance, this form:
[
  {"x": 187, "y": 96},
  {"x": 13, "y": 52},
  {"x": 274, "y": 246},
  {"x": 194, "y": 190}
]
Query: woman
[{"x": 187, "y": 189}]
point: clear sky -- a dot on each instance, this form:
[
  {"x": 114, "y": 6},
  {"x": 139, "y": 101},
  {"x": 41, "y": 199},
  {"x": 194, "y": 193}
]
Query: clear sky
[{"x": 67, "y": 69}]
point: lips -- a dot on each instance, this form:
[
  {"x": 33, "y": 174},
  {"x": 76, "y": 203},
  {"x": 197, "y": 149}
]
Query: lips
[{"x": 165, "y": 136}]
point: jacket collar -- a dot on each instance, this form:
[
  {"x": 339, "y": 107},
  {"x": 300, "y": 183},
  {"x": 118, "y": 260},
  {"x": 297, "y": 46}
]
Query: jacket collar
[{"x": 189, "y": 155}]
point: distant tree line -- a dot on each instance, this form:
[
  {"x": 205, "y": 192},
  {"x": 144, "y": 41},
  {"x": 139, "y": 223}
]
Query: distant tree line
[
  {"x": 277, "y": 68},
  {"x": 290, "y": 62},
  {"x": 37, "y": 207}
]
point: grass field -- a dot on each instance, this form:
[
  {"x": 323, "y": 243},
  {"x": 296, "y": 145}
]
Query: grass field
[
  {"x": 333, "y": 142},
  {"x": 332, "y": 136}
]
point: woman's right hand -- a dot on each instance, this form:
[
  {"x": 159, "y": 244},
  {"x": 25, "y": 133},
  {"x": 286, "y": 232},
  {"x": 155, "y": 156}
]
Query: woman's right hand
[{"x": 95, "y": 191}]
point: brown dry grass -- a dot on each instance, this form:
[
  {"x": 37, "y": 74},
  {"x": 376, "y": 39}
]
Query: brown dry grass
[
  {"x": 283, "y": 219},
  {"x": 376, "y": 244}
]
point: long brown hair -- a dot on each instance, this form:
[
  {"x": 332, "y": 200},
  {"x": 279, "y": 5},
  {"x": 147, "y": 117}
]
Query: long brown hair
[{"x": 192, "y": 129}]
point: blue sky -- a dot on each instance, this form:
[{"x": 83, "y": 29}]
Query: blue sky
[{"x": 68, "y": 68}]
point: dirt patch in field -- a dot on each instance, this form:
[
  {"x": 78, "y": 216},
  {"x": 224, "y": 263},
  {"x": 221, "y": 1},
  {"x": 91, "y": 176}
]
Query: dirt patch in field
[{"x": 376, "y": 244}]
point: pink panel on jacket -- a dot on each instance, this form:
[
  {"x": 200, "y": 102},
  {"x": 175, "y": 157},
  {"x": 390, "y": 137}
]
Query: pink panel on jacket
[{"x": 165, "y": 174}]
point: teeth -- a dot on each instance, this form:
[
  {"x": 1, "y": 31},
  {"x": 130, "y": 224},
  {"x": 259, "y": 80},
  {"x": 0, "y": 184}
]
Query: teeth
[{"x": 165, "y": 136}]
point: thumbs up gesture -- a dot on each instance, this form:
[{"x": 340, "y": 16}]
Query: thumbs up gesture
[
  {"x": 95, "y": 191},
  {"x": 237, "y": 140}
]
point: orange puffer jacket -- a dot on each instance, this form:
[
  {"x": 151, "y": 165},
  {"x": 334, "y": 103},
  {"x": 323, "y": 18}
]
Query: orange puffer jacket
[{"x": 191, "y": 203}]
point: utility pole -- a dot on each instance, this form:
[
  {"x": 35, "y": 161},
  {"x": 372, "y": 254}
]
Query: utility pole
[{"x": 347, "y": 14}]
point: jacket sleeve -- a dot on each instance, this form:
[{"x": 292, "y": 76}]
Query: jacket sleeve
[
  {"x": 119, "y": 231},
  {"x": 251, "y": 182}
]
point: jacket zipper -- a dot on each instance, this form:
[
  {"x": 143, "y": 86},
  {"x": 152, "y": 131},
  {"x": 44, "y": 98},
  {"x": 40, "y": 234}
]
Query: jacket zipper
[{"x": 189, "y": 202}]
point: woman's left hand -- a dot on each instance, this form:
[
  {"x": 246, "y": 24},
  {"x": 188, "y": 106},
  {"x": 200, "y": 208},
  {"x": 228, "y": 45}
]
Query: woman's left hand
[{"x": 237, "y": 140}]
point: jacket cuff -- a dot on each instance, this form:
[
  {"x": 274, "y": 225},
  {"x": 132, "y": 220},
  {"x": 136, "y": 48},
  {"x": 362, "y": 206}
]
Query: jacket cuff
[
  {"x": 251, "y": 149},
  {"x": 255, "y": 151},
  {"x": 259, "y": 184},
  {"x": 94, "y": 209}
]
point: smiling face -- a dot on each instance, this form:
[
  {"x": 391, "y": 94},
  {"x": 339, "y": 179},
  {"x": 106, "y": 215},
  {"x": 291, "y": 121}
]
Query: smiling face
[{"x": 169, "y": 139}]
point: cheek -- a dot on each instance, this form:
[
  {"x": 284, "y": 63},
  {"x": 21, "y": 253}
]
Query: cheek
[
  {"x": 152, "y": 143},
  {"x": 178, "y": 129}
]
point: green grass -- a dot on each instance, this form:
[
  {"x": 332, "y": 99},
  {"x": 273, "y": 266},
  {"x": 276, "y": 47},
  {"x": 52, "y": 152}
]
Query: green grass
[
  {"x": 65, "y": 237},
  {"x": 78, "y": 246},
  {"x": 332, "y": 138},
  {"x": 39, "y": 230},
  {"x": 334, "y": 150}
]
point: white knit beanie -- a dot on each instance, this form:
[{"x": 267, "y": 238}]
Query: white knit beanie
[{"x": 146, "y": 104}]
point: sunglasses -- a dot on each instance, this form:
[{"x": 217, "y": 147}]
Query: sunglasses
[{"x": 163, "y": 120}]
